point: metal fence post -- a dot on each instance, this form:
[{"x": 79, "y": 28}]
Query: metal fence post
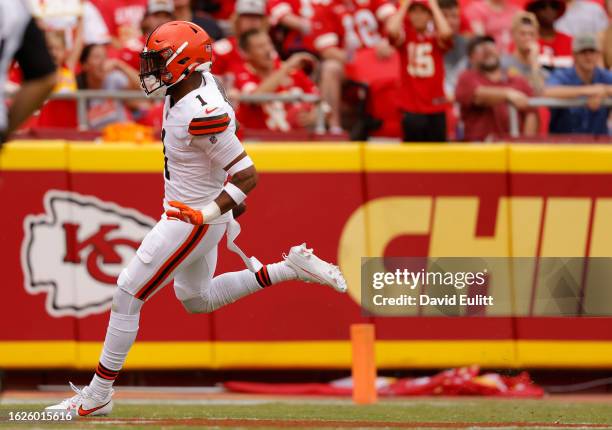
[
  {"x": 82, "y": 112},
  {"x": 514, "y": 121}
]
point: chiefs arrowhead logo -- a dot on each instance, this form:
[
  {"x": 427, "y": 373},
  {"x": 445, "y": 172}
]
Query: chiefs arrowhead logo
[{"x": 75, "y": 251}]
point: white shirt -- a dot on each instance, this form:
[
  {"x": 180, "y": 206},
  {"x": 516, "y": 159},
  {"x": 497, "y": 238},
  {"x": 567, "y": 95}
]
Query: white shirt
[
  {"x": 194, "y": 165},
  {"x": 583, "y": 16}
]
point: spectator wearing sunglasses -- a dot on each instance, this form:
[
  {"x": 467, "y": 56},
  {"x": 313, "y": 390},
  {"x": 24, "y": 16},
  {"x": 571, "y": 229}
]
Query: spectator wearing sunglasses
[
  {"x": 585, "y": 79},
  {"x": 556, "y": 47}
]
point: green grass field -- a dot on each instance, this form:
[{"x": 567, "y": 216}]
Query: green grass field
[{"x": 405, "y": 413}]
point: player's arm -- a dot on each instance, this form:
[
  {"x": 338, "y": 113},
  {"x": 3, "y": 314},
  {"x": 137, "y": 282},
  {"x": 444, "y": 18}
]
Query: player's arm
[
  {"x": 211, "y": 133},
  {"x": 39, "y": 77},
  {"x": 243, "y": 181},
  {"x": 394, "y": 24}
]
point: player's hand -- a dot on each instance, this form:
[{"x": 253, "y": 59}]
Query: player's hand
[{"x": 185, "y": 213}]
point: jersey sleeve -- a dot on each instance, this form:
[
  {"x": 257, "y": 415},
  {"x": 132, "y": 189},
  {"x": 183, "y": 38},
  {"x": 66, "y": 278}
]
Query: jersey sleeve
[
  {"x": 278, "y": 9},
  {"x": 245, "y": 82},
  {"x": 222, "y": 50},
  {"x": 210, "y": 120},
  {"x": 327, "y": 29},
  {"x": 222, "y": 150},
  {"x": 383, "y": 9}
]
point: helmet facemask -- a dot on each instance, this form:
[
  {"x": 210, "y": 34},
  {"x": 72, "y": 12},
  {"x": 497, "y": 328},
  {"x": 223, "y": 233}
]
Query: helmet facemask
[{"x": 153, "y": 71}]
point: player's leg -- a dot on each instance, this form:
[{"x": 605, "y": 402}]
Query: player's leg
[
  {"x": 201, "y": 293},
  {"x": 169, "y": 246}
]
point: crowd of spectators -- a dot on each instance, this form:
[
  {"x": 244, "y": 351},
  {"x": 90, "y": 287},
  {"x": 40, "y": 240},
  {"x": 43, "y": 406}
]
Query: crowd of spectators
[{"x": 418, "y": 70}]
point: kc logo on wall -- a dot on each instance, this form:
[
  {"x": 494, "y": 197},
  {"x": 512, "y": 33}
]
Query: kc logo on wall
[{"x": 75, "y": 251}]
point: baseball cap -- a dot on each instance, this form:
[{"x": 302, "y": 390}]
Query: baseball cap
[
  {"x": 155, "y": 6},
  {"x": 584, "y": 42},
  {"x": 478, "y": 40},
  {"x": 250, "y": 7}
]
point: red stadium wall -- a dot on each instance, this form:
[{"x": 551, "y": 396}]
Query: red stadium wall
[{"x": 347, "y": 201}]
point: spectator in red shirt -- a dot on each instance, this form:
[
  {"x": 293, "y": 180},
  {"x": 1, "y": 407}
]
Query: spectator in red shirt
[
  {"x": 422, "y": 97},
  {"x": 249, "y": 15},
  {"x": 291, "y": 24},
  {"x": 556, "y": 47},
  {"x": 484, "y": 91},
  {"x": 263, "y": 73},
  {"x": 341, "y": 27}
]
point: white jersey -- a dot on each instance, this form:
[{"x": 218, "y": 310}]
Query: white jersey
[
  {"x": 199, "y": 137},
  {"x": 14, "y": 18}
]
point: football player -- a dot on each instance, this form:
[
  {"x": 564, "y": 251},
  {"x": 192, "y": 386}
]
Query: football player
[
  {"x": 22, "y": 40},
  {"x": 200, "y": 151}
]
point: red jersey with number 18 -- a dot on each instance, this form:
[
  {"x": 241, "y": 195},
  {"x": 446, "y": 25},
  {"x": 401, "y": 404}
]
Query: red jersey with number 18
[{"x": 422, "y": 72}]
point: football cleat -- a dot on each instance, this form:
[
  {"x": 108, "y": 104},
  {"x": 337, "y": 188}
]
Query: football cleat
[
  {"x": 311, "y": 268},
  {"x": 84, "y": 403}
]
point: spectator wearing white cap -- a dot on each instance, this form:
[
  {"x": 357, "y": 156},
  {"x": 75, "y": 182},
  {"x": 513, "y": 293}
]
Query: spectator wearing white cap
[
  {"x": 158, "y": 12},
  {"x": 585, "y": 79},
  {"x": 248, "y": 15}
]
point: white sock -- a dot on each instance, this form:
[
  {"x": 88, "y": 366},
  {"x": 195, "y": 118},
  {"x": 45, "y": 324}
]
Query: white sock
[
  {"x": 120, "y": 336},
  {"x": 280, "y": 272}
]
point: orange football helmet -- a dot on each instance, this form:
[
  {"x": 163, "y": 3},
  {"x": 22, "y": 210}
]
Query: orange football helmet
[{"x": 173, "y": 51}]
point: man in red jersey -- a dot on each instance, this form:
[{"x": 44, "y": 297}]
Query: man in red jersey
[
  {"x": 556, "y": 47},
  {"x": 249, "y": 15},
  {"x": 422, "y": 97},
  {"x": 264, "y": 73},
  {"x": 342, "y": 27}
]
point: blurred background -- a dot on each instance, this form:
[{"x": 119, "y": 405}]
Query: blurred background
[{"x": 469, "y": 128}]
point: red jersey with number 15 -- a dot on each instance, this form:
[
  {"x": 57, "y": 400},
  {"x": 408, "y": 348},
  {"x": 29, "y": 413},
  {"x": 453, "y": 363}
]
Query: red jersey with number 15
[{"x": 422, "y": 72}]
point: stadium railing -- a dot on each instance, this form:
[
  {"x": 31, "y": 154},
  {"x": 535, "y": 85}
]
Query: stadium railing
[
  {"x": 515, "y": 129},
  {"x": 82, "y": 96}
]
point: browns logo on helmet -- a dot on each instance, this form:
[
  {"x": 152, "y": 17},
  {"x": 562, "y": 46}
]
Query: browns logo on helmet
[{"x": 173, "y": 51}]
